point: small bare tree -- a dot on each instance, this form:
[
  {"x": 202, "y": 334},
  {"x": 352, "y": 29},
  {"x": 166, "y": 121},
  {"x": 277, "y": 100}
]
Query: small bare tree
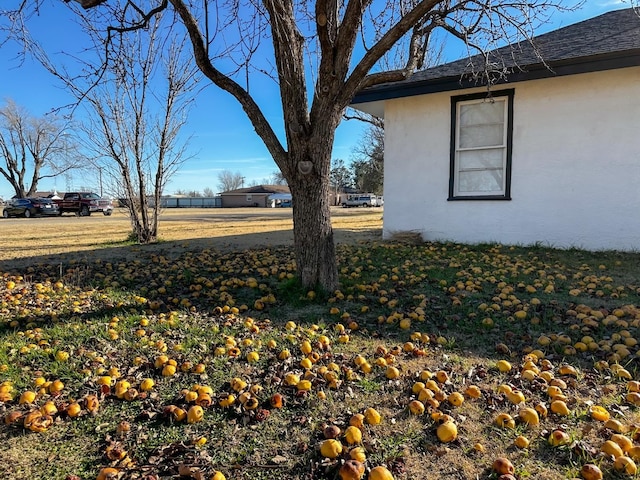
[
  {"x": 34, "y": 148},
  {"x": 230, "y": 181},
  {"x": 137, "y": 113}
]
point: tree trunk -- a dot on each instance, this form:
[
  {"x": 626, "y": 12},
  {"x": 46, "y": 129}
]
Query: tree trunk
[{"x": 312, "y": 232}]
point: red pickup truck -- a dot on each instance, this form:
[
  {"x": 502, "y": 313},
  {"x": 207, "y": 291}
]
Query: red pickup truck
[{"x": 83, "y": 204}]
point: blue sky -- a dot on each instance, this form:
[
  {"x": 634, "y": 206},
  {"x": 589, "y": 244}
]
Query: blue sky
[{"x": 222, "y": 136}]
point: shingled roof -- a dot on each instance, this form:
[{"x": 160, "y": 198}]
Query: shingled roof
[{"x": 608, "y": 41}]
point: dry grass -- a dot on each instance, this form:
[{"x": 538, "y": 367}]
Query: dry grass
[{"x": 180, "y": 229}]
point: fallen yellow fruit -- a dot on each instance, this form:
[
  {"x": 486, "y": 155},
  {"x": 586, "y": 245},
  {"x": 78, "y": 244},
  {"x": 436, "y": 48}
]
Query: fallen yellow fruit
[
  {"x": 380, "y": 473},
  {"x": 473, "y": 391},
  {"x": 74, "y": 409},
  {"x": 529, "y": 416},
  {"x": 599, "y": 413},
  {"x": 195, "y": 414},
  {"x": 447, "y": 432},
  {"x": 611, "y": 448},
  {"x": 559, "y": 407},
  {"x": 416, "y": 407},
  {"x": 558, "y": 438},
  {"x": 353, "y": 435},
  {"x": 147, "y": 384},
  {"x": 27, "y": 397},
  {"x": 623, "y": 441},
  {"x": 505, "y": 420},
  {"x": 503, "y": 366},
  {"x": 372, "y": 417},
  {"x": 331, "y": 448},
  {"x": 625, "y": 465},
  {"x": 456, "y": 399},
  {"x": 358, "y": 453}
]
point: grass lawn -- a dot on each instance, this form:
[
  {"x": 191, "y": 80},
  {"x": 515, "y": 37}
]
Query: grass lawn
[{"x": 431, "y": 361}]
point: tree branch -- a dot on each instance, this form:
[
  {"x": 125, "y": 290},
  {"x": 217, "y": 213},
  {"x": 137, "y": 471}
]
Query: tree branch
[
  {"x": 251, "y": 108},
  {"x": 356, "y": 79}
]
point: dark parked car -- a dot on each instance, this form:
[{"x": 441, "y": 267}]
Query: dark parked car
[{"x": 29, "y": 207}]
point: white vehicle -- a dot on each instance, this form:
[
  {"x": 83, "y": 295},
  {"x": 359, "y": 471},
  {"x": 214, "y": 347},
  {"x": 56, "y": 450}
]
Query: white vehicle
[{"x": 361, "y": 200}]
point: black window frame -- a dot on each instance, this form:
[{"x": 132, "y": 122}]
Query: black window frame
[{"x": 509, "y": 94}]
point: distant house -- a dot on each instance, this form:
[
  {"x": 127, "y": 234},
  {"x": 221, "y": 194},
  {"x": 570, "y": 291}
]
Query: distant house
[
  {"x": 48, "y": 194},
  {"x": 257, "y": 196},
  {"x": 550, "y": 154}
]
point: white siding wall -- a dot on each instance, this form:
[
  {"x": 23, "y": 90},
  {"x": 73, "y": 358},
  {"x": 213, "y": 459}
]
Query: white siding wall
[{"x": 576, "y": 167}]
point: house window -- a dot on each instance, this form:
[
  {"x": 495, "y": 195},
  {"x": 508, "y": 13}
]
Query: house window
[{"x": 481, "y": 127}]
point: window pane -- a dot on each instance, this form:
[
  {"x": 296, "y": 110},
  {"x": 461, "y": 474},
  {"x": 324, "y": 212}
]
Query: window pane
[
  {"x": 482, "y": 112},
  {"x": 481, "y": 135},
  {"x": 491, "y": 158},
  {"x": 483, "y": 181}
]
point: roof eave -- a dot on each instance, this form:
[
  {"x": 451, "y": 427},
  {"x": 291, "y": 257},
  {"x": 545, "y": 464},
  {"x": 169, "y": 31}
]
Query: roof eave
[{"x": 574, "y": 66}]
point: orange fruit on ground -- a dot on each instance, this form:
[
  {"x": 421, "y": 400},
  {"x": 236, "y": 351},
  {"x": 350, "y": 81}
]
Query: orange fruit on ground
[
  {"x": 74, "y": 409},
  {"x": 195, "y": 414},
  {"x": 416, "y": 407},
  {"x": 590, "y": 471},
  {"x": 357, "y": 420},
  {"x": 380, "y": 473},
  {"x": 456, "y": 399},
  {"x": 615, "y": 425},
  {"x": 27, "y": 397},
  {"x": 503, "y": 466},
  {"x": 473, "y": 391},
  {"x": 351, "y": 470},
  {"x": 108, "y": 473}
]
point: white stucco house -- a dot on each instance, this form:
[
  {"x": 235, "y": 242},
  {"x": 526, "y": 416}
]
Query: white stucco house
[{"x": 550, "y": 154}]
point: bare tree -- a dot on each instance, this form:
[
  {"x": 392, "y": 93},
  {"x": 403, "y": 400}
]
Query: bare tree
[
  {"x": 230, "y": 181},
  {"x": 277, "y": 178},
  {"x": 34, "y": 148},
  {"x": 344, "y": 41},
  {"x": 208, "y": 192},
  {"x": 137, "y": 114},
  {"x": 368, "y": 166}
]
